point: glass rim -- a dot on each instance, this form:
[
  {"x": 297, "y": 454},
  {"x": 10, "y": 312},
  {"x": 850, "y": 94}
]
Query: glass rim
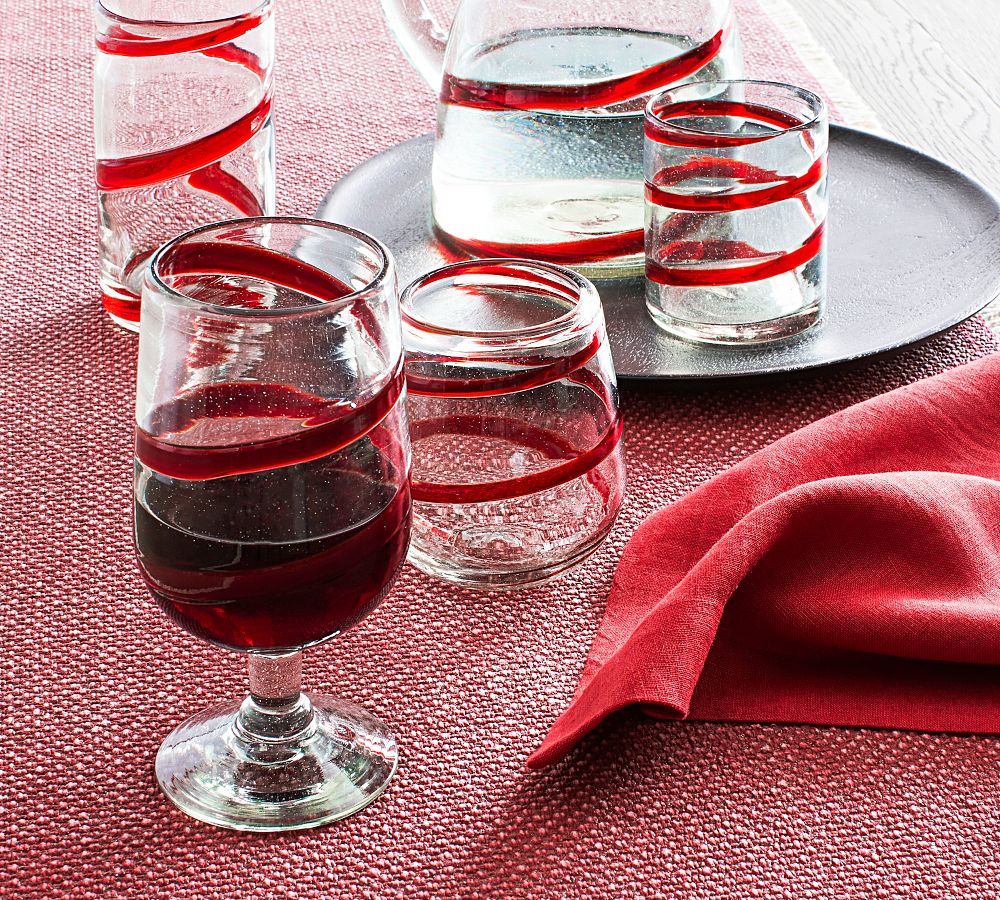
[
  {"x": 165, "y": 23},
  {"x": 585, "y": 306},
  {"x": 819, "y": 109},
  {"x": 372, "y": 286}
]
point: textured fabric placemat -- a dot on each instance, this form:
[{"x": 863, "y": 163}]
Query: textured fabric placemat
[{"x": 93, "y": 676}]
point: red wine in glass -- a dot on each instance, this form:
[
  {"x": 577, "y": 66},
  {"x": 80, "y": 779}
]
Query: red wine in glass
[{"x": 275, "y": 544}]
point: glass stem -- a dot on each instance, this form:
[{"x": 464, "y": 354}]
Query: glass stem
[{"x": 276, "y": 712}]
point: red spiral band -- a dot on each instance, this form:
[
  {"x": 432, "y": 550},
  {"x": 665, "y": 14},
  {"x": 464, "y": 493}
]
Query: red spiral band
[
  {"x": 498, "y": 95},
  {"x": 147, "y": 169},
  {"x": 532, "y": 372},
  {"x": 662, "y": 272},
  {"x": 323, "y": 427},
  {"x": 659, "y": 124},
  {"x": 790, "y": 187},
  {"x": 119, "y": 41},
  {"x": 548, "y": 443},
  {"x": 533, "y": 369}
]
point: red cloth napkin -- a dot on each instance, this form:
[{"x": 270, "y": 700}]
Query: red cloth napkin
[{"x": 848, "y": 574}]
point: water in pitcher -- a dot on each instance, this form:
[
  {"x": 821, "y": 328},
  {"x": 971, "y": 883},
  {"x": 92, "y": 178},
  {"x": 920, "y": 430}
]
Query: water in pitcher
[{"x": 551, "y": 168}]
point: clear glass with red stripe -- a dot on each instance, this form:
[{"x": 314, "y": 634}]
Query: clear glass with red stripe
[
  {"x": 182, "y": 120},
  {"x": 272, "y": 500},
  {"x": 736, "y": 207},
  {"x": 513, "y": 406}
]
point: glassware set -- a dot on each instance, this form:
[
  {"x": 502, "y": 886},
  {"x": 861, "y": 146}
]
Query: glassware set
[{"x": 282, "y": 378}]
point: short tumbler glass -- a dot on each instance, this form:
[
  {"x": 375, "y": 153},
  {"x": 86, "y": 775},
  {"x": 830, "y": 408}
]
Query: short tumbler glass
[
  {"x": 513, "y": 408},
  {"x": 272, "y": 501},
  {"x": 736, "y": 204}
]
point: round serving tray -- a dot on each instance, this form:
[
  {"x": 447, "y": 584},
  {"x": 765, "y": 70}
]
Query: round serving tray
[{"x": 914, "y": 249}]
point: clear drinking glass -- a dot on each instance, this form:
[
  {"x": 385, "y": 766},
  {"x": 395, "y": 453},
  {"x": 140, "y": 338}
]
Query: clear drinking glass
[
  {"x": 182, "y": 118},
  {"x": 513, "y": 407},
  {"x": 539, "y": 138},
  {"x": 272, "y": 502},
  {"x": 736, "y": 204}
]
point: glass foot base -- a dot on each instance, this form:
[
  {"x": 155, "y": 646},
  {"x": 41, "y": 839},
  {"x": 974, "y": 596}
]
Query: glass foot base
[{"x": 252, "y": 768}]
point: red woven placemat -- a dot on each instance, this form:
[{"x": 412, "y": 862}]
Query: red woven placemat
[{"x": 93, "y": 676}]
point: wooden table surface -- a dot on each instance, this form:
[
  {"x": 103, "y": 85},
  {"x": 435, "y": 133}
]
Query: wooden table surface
[{"x": 929, "y": 70}]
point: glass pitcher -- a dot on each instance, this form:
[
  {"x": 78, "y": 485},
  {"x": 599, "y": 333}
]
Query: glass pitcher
[{"x": 539, "y": 136}]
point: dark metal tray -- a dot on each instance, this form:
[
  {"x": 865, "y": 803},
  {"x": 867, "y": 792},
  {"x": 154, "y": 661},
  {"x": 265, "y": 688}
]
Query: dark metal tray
[{"x": 914, "y": 249}]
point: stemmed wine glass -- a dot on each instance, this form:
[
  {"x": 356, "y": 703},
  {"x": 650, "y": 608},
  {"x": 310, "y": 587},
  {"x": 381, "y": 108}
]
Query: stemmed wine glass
[{"x": 272, "y": 501}]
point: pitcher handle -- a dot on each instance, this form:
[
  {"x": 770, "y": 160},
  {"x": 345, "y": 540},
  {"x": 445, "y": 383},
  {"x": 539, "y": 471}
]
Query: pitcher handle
[{"x": 419, "y": 35}]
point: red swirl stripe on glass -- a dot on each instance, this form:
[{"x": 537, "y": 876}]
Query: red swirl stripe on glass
[
  {"x": 273, "y": 596},
  {"x": 317, "y": 428},
  {"x": 550, "y": 444},
  {"x": 659, "y": 125},
  {"x": 125, "y": 308},
  {"x": 185, "y": 263},
  {"x": 531, "y": 372},
  {"x": 681, "y": 225},
  {"x": 119, "y": 41},
  {"x": 499, "y": 95},
  {"x": 462, "y": 381},
  {"x": 215, "y": 180},
  {"x": 789, "y": 187},
  {"x": 235, "y": 54},
  {"x": 179, "y": 265},
  {"x": 529, "y": 280},
  {"x": 662, "y": 272},
  {"x": 147, "y": 169}
]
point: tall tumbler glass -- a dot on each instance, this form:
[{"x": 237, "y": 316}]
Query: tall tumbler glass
[
  {"x": 518, "y": 472},
  {"x": 272, "y": 500},
  {"x": 736, "y": 204},
  {"x": 182, "y": 116}
]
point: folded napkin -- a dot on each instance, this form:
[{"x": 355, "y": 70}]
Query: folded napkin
[{"x": 848, "y": 574}]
